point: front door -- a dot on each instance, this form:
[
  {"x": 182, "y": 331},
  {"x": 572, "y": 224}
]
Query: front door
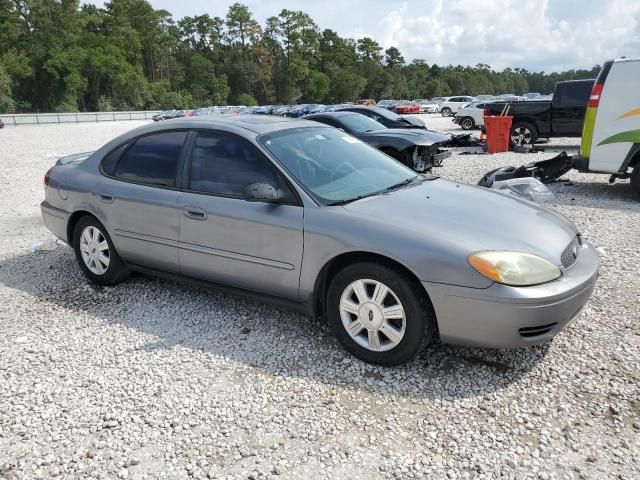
[{"x": 227, "y": 239}]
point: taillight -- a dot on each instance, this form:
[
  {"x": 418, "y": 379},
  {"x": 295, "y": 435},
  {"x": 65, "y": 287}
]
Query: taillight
[
  {"x": 594, "y": 99},
  {"x": 46, "y": 177}
]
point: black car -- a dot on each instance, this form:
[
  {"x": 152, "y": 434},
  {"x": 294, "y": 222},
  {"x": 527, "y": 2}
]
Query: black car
[
  {"x": 160, "y": 116},
  {"x": 387, "y": 118},
  {"x": 563, "y": 116},
  {"x": 174, "y": 114},
  {"x": 416, "y": 148}
]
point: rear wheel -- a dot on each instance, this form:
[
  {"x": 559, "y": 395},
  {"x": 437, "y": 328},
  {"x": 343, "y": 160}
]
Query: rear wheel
[
  {"x": 378, "y": 315},
  {"x": 523, "y": 133},
  {"x": 467, "y": 123},
  {"x": 96, "y": 253},
  {"x": 446, "y": 112}
]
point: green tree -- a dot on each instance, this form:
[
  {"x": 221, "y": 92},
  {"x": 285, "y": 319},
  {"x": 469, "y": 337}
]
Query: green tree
[
  {"x": 318, "y": 87},
  {"x": 247, "y": 99}
]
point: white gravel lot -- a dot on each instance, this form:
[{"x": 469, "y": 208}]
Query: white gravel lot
[{"x": 156, "y": 379}]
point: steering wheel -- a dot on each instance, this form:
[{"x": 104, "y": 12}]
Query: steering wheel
[{"x": 337, "y": 169}]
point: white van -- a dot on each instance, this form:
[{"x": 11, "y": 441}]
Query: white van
[{"x": 611, "y": 130}]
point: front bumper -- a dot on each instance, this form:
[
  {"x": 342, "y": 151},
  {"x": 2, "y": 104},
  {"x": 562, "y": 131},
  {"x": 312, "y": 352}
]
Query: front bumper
[
  {"x": 56, "y": 220},
  {"x": 502, "y": 317}
]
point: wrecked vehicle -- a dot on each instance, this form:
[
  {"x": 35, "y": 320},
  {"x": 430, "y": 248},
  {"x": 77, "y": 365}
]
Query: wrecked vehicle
[
  {"x": 387, "y": 118},
  {"x": 418, "y": 149}
]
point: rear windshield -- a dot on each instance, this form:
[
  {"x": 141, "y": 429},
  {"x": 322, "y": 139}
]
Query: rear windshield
[{"x": 573, "y": 94}]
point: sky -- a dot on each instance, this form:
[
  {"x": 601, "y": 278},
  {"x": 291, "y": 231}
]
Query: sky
[{"x": 548, "y": 35}]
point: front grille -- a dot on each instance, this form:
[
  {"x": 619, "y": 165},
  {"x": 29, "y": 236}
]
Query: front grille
[
  {"x": 570, "y": 254},
  {"x": 529, "y": 332}
]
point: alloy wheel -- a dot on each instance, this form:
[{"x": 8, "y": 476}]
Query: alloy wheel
[
  {"x": 372, "y": 315},
  {"x": 521, "y": 136},
  {"x": 467, "y": 124},
  {"x": 94, "y": 249}
]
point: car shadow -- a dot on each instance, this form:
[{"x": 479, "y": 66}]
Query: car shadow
[{"x": 274, "y": 340}]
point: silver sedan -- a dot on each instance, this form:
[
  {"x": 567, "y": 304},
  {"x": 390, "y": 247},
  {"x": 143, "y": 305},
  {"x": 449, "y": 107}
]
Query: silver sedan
[{"x": 311, "y": 217}]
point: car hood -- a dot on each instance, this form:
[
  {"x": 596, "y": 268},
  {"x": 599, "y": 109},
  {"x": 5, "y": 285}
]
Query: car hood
[
  {"x": 411, "y": 135},
  {"x": 414, "y": 121},
  {"x": 468, "y": 218}
]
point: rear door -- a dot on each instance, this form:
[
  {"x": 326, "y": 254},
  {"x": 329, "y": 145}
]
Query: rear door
[
  {"x": 617, "y": 121},
  {"x": 568, "y": 108},
  {"x": 227, "y": 239},
  {"x": 138, "y": 198}
]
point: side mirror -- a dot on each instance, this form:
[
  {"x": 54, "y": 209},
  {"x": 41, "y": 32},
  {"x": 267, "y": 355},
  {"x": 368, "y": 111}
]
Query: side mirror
[{"x": 262, "y": 192}]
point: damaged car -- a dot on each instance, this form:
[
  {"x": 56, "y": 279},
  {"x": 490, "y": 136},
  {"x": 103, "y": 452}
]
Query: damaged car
[
  {"x": 387, "y": 118},
  {"x": 418, "y": 149}
]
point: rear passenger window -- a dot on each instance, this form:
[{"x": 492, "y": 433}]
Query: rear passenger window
[
  {"x": 152, "y": 159},
  {"x": 574, "y": 94},
  {"x": 110, "y": 160}
]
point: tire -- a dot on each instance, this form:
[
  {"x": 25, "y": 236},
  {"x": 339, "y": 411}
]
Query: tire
[
  {"x": 411, "y": 324},
  {"x": 523, "y": 133},
  {"x": 467, "y": 123},
  {"x": 89, "y": 252},
  {"x": 446, "y": 112},
  {"x": 635, "y": 180}
]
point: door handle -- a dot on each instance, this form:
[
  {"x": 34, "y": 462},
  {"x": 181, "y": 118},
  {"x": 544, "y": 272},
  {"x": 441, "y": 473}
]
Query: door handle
[
  {"x": 105, "y": 197},
  {"x": 195, "y": 212}
]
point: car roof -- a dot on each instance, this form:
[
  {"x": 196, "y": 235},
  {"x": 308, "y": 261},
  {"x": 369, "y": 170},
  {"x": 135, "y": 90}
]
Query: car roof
[
  {"x": 249, "y": 125},
  {"x": 255, "y": 123},
  {"x": 338, "y": 114}
]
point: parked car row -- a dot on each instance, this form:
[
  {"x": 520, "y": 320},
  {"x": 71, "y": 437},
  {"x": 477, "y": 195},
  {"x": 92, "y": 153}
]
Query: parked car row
[{"x": 447, "y": 106}]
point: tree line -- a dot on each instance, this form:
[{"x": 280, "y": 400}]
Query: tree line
[{"x": 58, "y": 55}]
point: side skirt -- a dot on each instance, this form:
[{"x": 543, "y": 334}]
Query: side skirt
[{"x": 301, "y": 307}]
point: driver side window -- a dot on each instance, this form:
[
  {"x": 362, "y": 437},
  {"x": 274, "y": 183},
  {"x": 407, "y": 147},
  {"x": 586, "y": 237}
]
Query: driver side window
[{"x": 226, "y": 164}]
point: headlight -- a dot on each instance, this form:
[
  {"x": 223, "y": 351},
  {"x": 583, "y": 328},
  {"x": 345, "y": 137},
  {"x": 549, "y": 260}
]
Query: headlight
[{"x": 514, "y": 268}]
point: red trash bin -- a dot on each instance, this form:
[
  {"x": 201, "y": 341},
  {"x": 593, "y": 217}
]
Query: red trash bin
[{"x": 498, "y": 129}]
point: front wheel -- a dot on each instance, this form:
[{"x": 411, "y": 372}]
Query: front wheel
[
  {"x": 523, "y": 133},
  {"x": 446, "y": 112},
  {"x": 378, "y": 315},
  {"x": 96, "y": 253},
  {"x": 467, "y": 123}
]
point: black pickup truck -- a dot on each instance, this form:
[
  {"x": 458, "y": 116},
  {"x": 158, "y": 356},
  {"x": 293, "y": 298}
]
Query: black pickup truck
[{"x": 560, "y": 117}]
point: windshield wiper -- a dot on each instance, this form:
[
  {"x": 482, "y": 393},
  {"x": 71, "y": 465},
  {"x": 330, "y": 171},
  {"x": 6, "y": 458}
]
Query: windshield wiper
[
  {"x": 388, "y": 189},
  {"x": 353, "y": 199},
  {"x": 401, "y": 184}
]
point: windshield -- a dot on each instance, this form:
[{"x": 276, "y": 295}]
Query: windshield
[
  {"x": 388, "y": 114},
  {"x": 332, "y": 166},
  {"x": 357, "y": 123}
]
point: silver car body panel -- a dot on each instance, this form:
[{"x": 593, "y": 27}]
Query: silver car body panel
[{"x": 281, "y": 250}]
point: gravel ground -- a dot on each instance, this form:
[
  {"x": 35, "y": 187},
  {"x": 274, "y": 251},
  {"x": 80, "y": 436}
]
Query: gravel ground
[{"x": 155, "y": 379}]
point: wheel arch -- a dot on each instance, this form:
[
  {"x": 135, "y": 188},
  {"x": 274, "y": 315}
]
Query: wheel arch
[
  {"x": 338, "y": 262},
  {"x": 531, "y": 121},
  {"x": 73, "y": 221}
]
